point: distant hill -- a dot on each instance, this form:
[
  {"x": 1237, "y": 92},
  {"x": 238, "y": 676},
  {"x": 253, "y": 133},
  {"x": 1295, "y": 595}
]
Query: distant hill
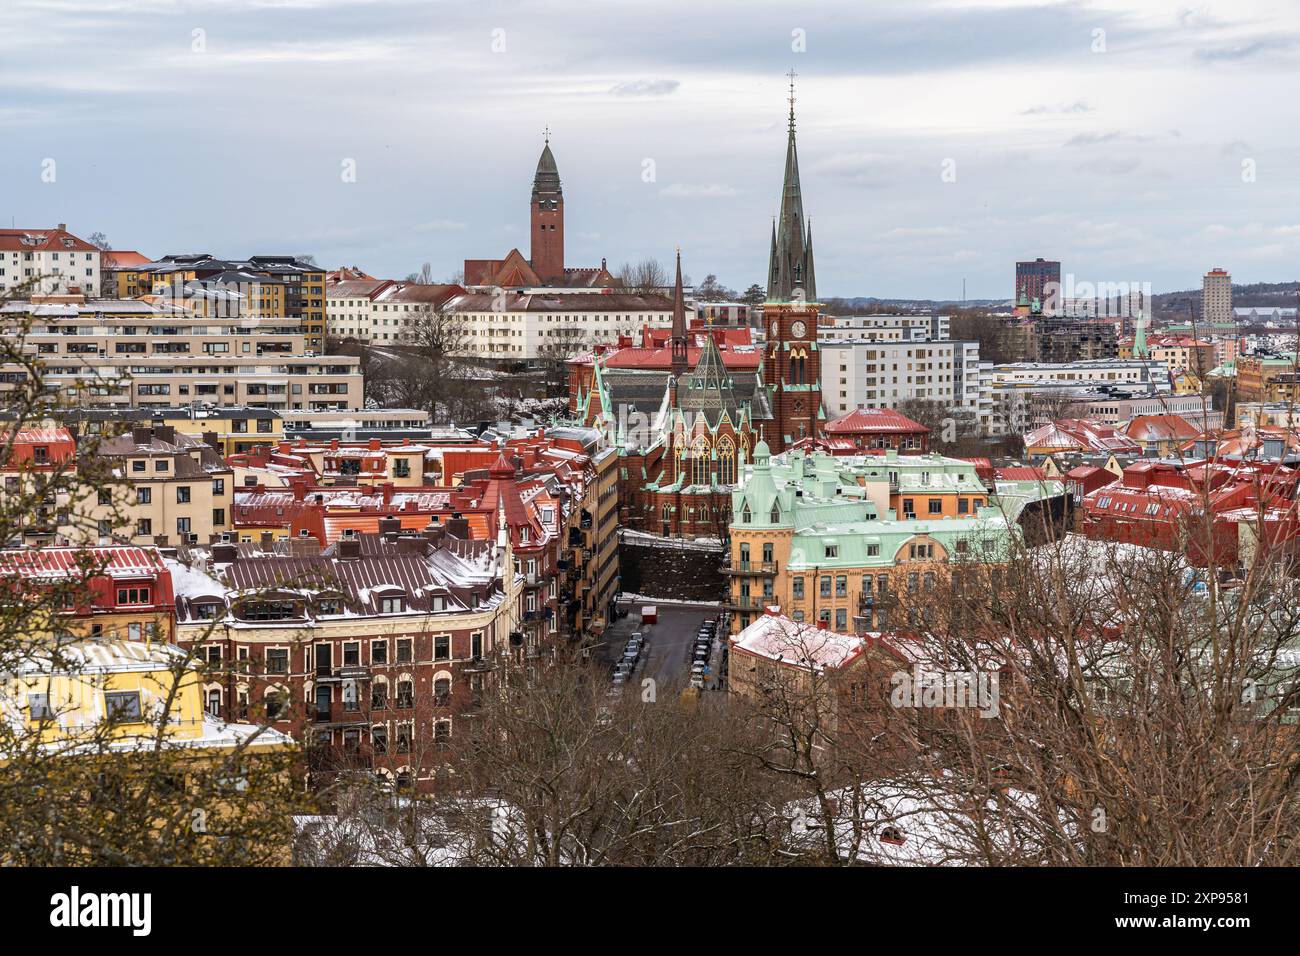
[{"x": 1172, "y": 305}]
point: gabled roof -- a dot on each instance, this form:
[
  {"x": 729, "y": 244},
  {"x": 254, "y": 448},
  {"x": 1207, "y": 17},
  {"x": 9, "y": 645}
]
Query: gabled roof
[{"x": 873, "y": 420}]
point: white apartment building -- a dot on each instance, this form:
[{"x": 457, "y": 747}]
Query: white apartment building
[
  {"x": 47, "y": 260},
  {"x": 348, "y": 308},
  {"x": 882, "y": 374},
  {"x": 882, "y": 328},
  {"x": 515, "y": 327}
]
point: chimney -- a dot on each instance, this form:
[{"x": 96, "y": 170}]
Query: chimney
[
  {"x": 389, "y": 525},
  {"x": 299, "y": 490},
  {"x": 387, "y": 489},
  {"x": 457, "y": 527},
  {"x": 349, "y": 546},
  {"x": 224, "y": 553},
  {"x": 413, "y": 544},
  {"x": 63, "y": 227},
  {"x": 141, "y": 435},
  {"x": 434, "y": 531}
]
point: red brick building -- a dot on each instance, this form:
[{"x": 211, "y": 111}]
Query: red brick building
[{"x": 1165, "y": 505}]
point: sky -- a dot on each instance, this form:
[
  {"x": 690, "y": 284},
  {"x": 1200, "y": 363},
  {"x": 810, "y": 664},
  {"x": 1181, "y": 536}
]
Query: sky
[{"x": 939, "y": 140}]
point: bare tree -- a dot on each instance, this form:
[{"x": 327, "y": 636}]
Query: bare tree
[{"x": 646, "y": 276}]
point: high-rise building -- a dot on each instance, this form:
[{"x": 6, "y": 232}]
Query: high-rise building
[
  {"x": 790, "y": 276},
  {"x": 1037, "y": 280},
  {"x": 1216, "y": 297}
]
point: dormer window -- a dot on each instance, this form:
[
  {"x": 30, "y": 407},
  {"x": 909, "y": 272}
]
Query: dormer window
[
  {"x": 776, "y": 514},
  {"x": 392, "y": 605},
  {"x": 746, "y": 516},
  {"x": 126, "y": 596}
]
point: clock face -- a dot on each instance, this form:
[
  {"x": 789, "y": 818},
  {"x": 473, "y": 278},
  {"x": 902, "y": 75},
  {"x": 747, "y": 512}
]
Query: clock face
[{"x": 798, "y": 329}]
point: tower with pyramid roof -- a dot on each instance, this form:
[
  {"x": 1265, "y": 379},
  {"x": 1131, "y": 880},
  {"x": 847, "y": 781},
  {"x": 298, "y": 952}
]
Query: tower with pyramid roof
[{"x": 547, "y": 251}]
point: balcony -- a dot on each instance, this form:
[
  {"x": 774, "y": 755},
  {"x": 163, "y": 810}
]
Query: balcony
[
  {"x": 338, "y": 714},
  {"x": 747, "y": 602},
  {"x": 748, "y": 567}
]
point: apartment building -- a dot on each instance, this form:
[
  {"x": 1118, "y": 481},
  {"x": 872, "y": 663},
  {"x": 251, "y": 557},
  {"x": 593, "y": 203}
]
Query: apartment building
[
  {"x": 276, "y": 286},
  {"x": 510, "y": 327},
  {"x": 35, "y": 261},
  {"x": 1268, "y": 377},
  {"x": 833, "y": 541},
  {"x": 382, "y": 311},
  {"x": 176, "y": 489},
  {"x": 231, "y": 430},
  {"x": 883, "y": 374},
  {"x": 371, "y": 651},
  {"x": 137, "y": 353},
  {"x": 882, "y": 328},
  {"x": 1216, "y": 297}
]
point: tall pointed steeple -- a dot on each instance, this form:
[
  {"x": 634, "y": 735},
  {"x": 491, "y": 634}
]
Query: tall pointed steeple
[
  {"x": 679, "y": 323},
  {"x": 791, "y": 265}
]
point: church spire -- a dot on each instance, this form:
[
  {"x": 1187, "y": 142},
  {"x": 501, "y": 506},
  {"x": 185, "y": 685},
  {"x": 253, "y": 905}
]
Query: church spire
[
  {"x": 679, "y": 323},
  {"x": 791, "y": 265}
]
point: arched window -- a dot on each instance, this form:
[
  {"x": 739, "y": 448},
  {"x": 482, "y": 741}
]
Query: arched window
[
  {"x": 776, "y": 513},
  {"x": 700, "y": 461},
  {"x": 746, "y": 516},
  {"x": 726, "y": 461}
]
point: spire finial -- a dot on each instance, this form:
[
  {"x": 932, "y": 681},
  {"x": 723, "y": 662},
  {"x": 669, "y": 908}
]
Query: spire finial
[
  {"x": 792, "y": 74},
  {"x": 546, "y": 134}
]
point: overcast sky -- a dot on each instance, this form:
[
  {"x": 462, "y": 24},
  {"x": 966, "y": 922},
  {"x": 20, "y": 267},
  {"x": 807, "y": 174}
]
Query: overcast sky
[{"x": 1142, "y": 141}]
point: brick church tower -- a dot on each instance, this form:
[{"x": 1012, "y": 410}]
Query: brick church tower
[
  {"x": 547, "y": 251},
  {"x": 792, "y": 362}
]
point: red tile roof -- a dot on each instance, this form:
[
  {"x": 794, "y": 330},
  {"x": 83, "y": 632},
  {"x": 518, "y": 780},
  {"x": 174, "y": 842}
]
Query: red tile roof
[
  {"x": 874, "y": 420},
  {"x": 40, "y": 240}
]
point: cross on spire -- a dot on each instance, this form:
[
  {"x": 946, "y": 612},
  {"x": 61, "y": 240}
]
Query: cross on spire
[
  {"x": 792, "y": 74},
  {"x": 546, "y": 134}
]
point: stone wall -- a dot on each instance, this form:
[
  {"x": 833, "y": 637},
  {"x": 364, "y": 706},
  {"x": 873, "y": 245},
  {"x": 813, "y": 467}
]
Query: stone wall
[{"x": 671, "y": 568}]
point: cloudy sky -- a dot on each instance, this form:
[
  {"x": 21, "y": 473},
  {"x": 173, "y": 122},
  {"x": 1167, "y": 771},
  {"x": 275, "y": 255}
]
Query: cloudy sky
[{"x": 939, "y": 140}]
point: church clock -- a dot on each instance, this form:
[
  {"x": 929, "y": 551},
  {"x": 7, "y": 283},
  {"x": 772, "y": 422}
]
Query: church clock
[{"x": 797, "y": 329}]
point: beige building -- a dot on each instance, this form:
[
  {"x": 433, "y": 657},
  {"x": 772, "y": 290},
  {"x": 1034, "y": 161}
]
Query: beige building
[
  {"x": 177, "y": 490},
  {"x": 131, "y": 352},
  {"x": 1216, "y": 297}
]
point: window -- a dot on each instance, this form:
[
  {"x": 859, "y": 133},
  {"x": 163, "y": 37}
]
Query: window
[
  {"x": 122, "y": 705},
  {"x": 405, "y": 694},
  {"x": 379, "y": 739},
  {"x": 797, "y": 585},
  {"x": 909, "y": 508},
  {"x": 143, "y": 496},
  {"x": 133, "y": 596},
  {"x": 182, "y": 494},
  {"x": 936, "y": 506},
  {"x": 38, "y": 707},
  {"x": 351, "y": 654},
  {"x": 379, "y": 652},
  {"x": 277, "y": 660},
  {"x": 405, "y": 734},
  {"x": 442, "y": 691},
  {"x": 442, "y": 732},
  {"x": 841, "y": 585},
  {"x": 403, "y": 650},
  {"x": 832, "y": 550},
  {"x": 963, "y": 506},
  {"x": 476, "y": 645},
  {"x": 392, "y": 605},
  {"x": 213, "y": 703},
  {"x": 143, "y": 527},
  {"x": 873, "y": 550},
  {"x": 841, "y": 619},
  {"x": 826, "y": 587},
  {"x": 218, "y": 486},
  {"x": 402, "y": 468},
  {"x": 379, "y": 696},
  {"x": 442, "y": 648},
  {"x": 273, "y": 701},
  {"x": 182, "y": 525}
]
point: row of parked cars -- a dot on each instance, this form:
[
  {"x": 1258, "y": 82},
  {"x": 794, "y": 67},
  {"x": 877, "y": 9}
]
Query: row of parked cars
[
  {"x": 703, "y": 648},
  {"x": 631, "y": 654}
]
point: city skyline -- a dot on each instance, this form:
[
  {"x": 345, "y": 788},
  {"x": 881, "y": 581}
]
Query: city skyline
[{"x": 956, "y": 166}]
